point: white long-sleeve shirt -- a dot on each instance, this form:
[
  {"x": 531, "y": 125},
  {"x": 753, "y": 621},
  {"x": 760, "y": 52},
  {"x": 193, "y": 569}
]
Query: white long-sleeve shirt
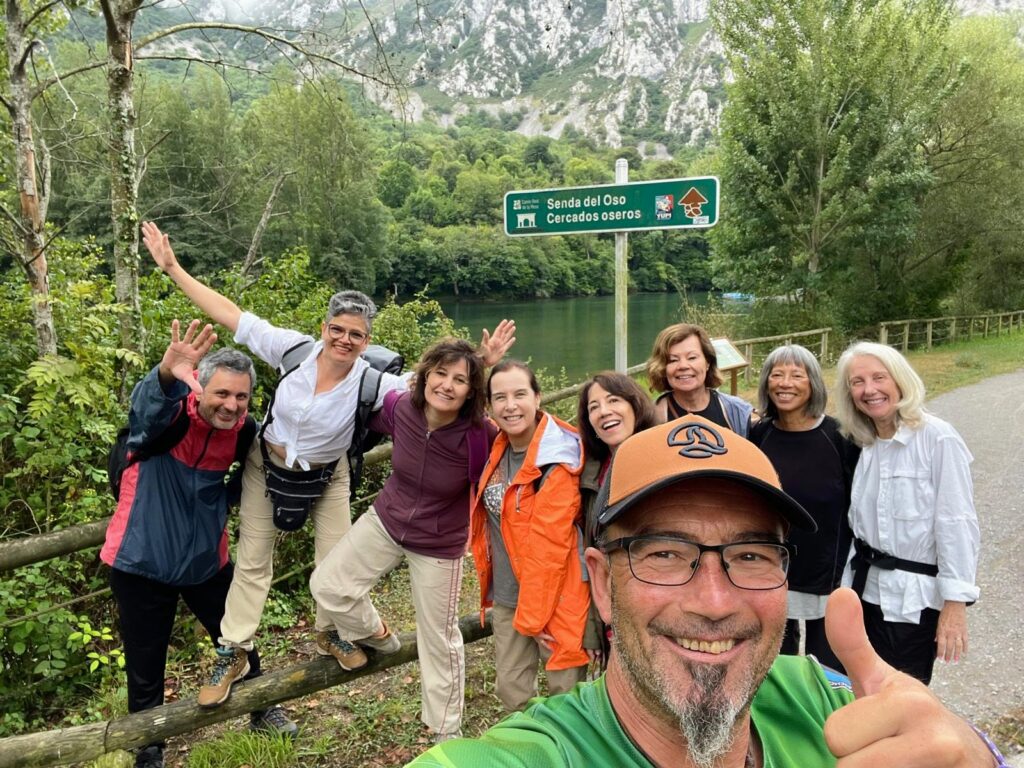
[
  {"x": 312, "y": 428},
  {"x": 913, "y": 498}
]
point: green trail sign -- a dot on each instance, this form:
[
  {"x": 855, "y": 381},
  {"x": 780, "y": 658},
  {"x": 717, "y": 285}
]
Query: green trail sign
[{"x": 662, "y": 204}]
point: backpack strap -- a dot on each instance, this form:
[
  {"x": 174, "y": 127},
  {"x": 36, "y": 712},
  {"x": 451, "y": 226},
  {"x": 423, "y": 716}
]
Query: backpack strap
[
  {"x": 544, "y": 473},
  {"x": 369, "y": 387},
  {"x": 292, "y": 358}
]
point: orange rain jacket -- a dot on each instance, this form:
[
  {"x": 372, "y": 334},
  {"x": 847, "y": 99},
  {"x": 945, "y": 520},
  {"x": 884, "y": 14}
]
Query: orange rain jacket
[{"x": 542, "y": 534}]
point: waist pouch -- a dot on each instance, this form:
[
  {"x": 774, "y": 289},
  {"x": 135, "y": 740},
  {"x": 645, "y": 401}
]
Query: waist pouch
[{"x": 294, "y": 492}]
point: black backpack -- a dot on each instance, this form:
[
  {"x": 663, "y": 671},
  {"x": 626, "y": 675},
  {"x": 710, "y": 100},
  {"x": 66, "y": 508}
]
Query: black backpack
[
  {"x": 381, "y": 360},
  {"x": 118, "y": 459}
]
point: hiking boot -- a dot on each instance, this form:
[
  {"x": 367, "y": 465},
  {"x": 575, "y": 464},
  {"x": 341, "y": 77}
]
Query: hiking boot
[
  {"x": 385, "y": 645},
  {"x": 232, "y": 665},
  {"x": 150, "y": 757},
  {"x": 273, "y": 721},
  {"x": 348, "y": 656}
]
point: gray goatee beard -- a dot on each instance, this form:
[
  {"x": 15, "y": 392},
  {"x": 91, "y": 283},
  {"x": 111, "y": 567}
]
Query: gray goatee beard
[{"x": 708, "y": 719}]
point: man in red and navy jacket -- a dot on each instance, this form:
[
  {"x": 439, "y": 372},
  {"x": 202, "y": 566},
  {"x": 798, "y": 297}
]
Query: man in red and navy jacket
[{"x": 168, "y": 538}]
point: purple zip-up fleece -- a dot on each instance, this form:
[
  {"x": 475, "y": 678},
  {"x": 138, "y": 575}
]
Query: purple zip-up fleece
[{"x": 424, "y": 504}]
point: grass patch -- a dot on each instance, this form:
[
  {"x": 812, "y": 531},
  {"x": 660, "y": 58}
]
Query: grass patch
[
  {"x": 1008, "y": 730},
  {"x": 234, "y": 750}
]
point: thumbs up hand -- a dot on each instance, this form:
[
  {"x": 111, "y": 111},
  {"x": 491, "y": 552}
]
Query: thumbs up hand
[{"x": 896, "y": 720}]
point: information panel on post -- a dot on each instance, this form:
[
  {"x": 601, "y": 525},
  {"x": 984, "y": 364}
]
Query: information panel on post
[{"x": 662, "y": 204}]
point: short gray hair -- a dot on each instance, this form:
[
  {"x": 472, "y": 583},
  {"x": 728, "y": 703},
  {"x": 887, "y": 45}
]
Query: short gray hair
[
  {"x": 910, "y": 409},
  {"x": 793, "y": 354},
  {"x": 230, "y": 360},
  {"x": 352, "y": 303}
]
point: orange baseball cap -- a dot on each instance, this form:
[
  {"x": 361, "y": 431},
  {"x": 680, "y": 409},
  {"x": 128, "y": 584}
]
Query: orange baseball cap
[{"x": 689, "y": 448}]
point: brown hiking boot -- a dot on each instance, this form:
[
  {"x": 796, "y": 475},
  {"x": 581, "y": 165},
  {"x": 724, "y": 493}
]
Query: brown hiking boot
[
  {"x": 386, "y": 644},
  {"x": 231, "y": 666},
  {"x": 349, "y": 656}
]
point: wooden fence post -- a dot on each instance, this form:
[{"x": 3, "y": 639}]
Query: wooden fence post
[
  {"x": 883, "y": 333},
  {"x": 952, "y": 329},
  {"x": 906, "y": 336},
  {"x": 986, "y": 326},
  {"x": 824, "y": 347},
  {"x": 928, "y": 335}
]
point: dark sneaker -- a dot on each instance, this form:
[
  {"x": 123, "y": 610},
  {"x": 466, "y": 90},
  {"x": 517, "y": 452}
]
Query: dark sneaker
[
  {"x": 231, "y": 666},
  {"x": 274, "y": 721},
  {"x": 386, "y": 645},
  {"x": 349, "y": 656},
  {"x": 150, "y": 757}
]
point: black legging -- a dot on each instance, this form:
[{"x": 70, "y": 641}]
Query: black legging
[{"x": 147, "y": 609}]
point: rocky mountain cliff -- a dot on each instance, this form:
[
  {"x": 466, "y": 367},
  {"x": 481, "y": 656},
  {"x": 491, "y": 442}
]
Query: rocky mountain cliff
[{"x": 642, "y": 72}]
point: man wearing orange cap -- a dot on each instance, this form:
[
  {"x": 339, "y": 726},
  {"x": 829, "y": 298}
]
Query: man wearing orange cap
[{"x": 690, "y": 572}]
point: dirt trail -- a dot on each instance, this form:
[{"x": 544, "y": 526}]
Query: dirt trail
[{"x": 990, "y": 681}]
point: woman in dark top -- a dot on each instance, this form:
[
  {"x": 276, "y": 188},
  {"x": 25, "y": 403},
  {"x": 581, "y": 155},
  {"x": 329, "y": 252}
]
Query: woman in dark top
[
  {"x": 611, "y": 408},
  {"x": 815, "y": 465},
  {"x": 683, "y": 365}
]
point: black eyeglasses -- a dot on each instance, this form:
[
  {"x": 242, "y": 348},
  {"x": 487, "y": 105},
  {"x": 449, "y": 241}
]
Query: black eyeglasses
[
  {"x": 337, "y": 332},
  {"x": 670, "y": 562}
]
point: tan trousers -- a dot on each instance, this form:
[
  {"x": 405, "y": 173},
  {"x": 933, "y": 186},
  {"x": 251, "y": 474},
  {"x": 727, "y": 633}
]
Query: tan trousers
[
  {"x": 341, "y": 586},
  {"x": 254, "y": 560},
  {"x": 516, "y": 658}
]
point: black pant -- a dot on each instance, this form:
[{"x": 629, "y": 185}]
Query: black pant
[
  {"x": 147, "y": 610},
  {"x": 908, "y": 647},
  {"x": 815, "y": 645}
]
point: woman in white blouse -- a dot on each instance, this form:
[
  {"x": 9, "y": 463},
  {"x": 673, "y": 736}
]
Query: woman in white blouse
[{"x": 911, "y": 510}]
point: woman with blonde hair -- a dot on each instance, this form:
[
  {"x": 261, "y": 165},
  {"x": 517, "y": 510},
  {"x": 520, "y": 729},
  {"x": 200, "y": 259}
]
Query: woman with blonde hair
[
  {"x": 684, "y": 367},
  {"x": 911, "y": 510}
]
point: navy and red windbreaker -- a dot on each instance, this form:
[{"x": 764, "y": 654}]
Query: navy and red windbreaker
[{"x": 170, "y": 520}]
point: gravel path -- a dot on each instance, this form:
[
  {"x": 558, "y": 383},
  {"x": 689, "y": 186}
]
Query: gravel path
[{"x": 990, "y": 680}]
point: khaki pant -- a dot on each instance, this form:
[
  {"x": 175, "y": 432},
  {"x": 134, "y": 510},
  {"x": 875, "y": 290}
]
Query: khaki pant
[
  {"x": 516, "y": 658},
  {"x": 341, "y": 586},
  {"x": 254, "y": 561}
]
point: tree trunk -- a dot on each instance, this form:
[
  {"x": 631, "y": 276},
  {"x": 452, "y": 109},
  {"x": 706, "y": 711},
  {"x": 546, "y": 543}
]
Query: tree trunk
[
  {"x": 119, "y": 16},
  {"x": 32, "y": 196}
]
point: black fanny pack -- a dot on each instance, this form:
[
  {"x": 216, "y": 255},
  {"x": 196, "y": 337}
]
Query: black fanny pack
[{"x": 294, "y": 492}]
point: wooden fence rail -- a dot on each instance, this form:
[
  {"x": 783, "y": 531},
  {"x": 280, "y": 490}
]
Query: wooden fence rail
[
  {"x": 927, "y": 332},
  {"x": 87, "y": 742}
]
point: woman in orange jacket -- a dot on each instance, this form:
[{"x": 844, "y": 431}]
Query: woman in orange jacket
[{"x": 527, "y": 541}]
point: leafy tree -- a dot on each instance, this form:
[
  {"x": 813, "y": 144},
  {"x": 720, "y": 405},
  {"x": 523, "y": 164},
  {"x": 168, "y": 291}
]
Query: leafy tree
[
  {"x": 395, "y": 180},
  {"x": 311, "y": 132},
  {"x": 969, "y": 233},
  {"x": 821, "y": 175}
]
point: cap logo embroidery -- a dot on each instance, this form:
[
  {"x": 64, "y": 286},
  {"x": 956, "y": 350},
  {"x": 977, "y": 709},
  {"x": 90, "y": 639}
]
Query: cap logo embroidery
[{"x": 697, "y": 441}]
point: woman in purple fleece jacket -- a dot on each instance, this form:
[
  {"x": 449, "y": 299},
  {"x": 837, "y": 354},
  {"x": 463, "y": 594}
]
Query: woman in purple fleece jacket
[{"x": 441, "y": 442}]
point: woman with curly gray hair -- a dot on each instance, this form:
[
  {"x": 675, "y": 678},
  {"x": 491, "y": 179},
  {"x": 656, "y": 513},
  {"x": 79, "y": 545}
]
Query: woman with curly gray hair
[{"x": 911, "y": 510}]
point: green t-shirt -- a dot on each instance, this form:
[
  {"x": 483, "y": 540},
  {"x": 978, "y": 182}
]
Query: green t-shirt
[{"x": 579, "y": 729}]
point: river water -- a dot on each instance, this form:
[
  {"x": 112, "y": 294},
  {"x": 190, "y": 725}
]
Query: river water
[{"x": 575, "y": 334}]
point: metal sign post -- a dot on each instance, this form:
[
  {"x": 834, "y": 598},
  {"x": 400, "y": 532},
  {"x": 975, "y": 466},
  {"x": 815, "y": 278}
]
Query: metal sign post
[{"x": 621, "y": 280}]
